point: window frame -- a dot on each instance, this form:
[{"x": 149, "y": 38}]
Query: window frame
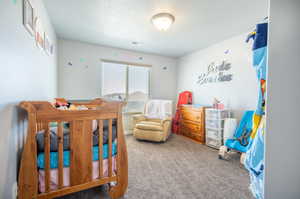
[{"x": 128, "y": 65}]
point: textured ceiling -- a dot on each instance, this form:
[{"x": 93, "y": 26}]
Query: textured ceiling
[{"x": 118, "y": 23}]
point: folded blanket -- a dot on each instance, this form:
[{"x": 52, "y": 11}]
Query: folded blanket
[
  {"x": 66, "y": 154},
  {"x": 66, "y": 143}
]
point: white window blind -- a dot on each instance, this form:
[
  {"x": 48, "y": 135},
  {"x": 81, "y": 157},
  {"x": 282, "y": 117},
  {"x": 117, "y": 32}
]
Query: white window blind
[
  {"x": 138, "y": 83},
  {"x": 127, "y": 83},
  {"x": 114, "y": 81}
]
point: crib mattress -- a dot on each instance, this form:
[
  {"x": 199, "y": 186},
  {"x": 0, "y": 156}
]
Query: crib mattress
[
  {"x": 66, "y": 175},
  {"x": 66, "y": 156}
]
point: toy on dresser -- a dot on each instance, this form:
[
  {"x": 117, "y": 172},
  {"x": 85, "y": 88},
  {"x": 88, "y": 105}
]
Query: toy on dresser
[{"x": 217, "y": 104}]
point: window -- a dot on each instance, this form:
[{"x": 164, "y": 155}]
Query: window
[
  {"x": 114, "y": 81},
  {"x": 126, "y": 82},
  {"x": 138, "y": 83}
]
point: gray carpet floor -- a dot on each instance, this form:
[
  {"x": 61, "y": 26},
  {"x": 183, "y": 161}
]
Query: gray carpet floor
[{"x": 178, "y": 169}]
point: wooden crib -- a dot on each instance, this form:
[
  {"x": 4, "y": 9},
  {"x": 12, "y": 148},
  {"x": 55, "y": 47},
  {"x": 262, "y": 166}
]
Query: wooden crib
[{"x": 40, "y": 115}]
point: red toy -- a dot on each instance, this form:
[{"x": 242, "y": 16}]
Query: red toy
[{"x": 184, "y": 98}]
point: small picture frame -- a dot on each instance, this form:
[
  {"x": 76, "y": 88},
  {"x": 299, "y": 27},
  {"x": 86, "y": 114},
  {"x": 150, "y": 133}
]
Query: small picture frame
[
  {"x": 47, "y": 44},
  {"x": 52, "y": 49},
  {"x": 28, "y": 16},
  {"x": 39, "y": 34}
]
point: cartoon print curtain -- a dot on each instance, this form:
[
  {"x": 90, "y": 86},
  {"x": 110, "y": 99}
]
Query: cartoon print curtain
[{"x": 254, "y": 160}]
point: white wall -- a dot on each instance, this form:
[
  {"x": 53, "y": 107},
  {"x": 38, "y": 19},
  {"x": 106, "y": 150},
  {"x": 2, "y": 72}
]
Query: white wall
[
  {"x": 282, "y": 177},
  {"x": 27, "y": 73},
  {"x": 81, "y": 82},
  {"x": 240, "y": 94}
]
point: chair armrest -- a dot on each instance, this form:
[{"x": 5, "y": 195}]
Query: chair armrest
[
  {"x": 165, "y": 120},
  {"x": 166, "y": 124},
  {"x": 137, "y": 118}
]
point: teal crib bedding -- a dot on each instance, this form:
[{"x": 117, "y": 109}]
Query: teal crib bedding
[{"x": 66, "y": 154}]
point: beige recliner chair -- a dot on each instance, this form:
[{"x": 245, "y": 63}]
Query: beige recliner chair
[{"x": 155, "y": 123}]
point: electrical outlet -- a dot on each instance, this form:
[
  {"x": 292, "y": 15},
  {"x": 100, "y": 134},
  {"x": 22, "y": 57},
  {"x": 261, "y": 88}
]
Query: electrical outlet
[{"x": 15, "y": 190}]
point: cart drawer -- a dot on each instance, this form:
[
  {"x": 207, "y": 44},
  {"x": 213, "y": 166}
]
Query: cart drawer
[
  {"x": 217, "y": 114},
  {"x": 215, "y": 124},
  {"x": 216, "y": 134},
  {"x": 214, "y": 143}
]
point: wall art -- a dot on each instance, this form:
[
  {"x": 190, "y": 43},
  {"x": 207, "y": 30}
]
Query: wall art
[
  {"x": 216, "y": 73},
  {"x": 47, "y": 44},
  {"x": 39, "y": 33},
  {"x": 28, "y": 16}
]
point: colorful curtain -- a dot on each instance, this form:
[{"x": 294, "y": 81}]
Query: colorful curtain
[{"x": 254, "y": 160}]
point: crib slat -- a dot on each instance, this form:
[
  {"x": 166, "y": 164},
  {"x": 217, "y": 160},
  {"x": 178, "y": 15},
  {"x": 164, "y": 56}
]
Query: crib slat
[
  {"x": 110, "y": 172},
  {"x": 38, "y": 124},
  {"x": 100, "y": 145},
  {"x": 41, "y": 126},
  {"x": 81, "y": 152},
  {"x": 119, "y": 130},
  {"x": 47, "y": 157},
  {"x": 60, "y": 155}
]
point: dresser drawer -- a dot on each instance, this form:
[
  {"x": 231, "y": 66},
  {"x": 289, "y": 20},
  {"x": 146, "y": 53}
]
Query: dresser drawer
[
  {"x": 197, "y": 137},
  {"x": 191, "y": 115},
  {"x": 191, "y": 123},
  {"x": 193, "y": 127},
  {"x": 185, "y": 131},
  {"x": 191, "y": 133}
]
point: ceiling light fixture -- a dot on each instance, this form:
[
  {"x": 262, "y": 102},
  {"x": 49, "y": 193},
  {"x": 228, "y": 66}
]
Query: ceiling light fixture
[{"x": 163, "y": 21}]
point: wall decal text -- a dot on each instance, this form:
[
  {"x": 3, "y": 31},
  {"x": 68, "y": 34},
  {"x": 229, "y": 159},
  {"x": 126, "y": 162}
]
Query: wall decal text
[{"x": 216, "y": 73}]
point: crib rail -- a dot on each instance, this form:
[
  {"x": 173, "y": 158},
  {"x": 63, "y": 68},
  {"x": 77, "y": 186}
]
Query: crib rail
[{"x": 41, "y": 114}]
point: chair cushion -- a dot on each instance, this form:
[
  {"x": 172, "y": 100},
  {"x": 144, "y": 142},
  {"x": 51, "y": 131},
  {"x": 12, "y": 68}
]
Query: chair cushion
[
  {"x": 146, "y": 125},
  {"x": 156, "y": 136}
]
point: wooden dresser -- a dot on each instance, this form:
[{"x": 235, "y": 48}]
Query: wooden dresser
[{"x": 192, "y": 122}]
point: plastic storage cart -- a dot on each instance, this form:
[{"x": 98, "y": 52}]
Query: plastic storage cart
[{"x": 214, "y": 124}]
